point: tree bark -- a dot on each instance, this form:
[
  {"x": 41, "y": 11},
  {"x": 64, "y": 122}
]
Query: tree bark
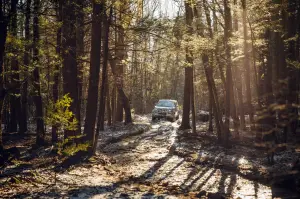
[
  {"x": 103, "y": 92},
  {"x": 210, "y": 122},
  {"x": 70, "y": 67},
  {"x": 107, "y": 22},
  {"x": 120, "y": 55},
  {"x": 55, "y": 88},
  {"x": 214, "y": 100},
  {"x": 40, "y": 131},
  {"x": 119, "y": 88},
  {"x": 3, "y": 32},
  {"x": 239, "y": 88},
  {"x": 109, "y": 121},
  {"x": 247, "y": 63},
  {"x": 185, "y": 124},
  {"x": 213, "y": 93},
  {"x": 113, "y": 103},
  {"x": 24, "y": 94},
  {"x": 80, "y": 52},
  {"x": 91, "y": 109},
  {"x": 15, "y": 78},
  {"x": 293, "y": 71},
  {"x": 229, "y": 85}
]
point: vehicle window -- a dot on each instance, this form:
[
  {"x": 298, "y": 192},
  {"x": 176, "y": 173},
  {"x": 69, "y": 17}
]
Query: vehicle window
[{"x": 165, "y": 104}]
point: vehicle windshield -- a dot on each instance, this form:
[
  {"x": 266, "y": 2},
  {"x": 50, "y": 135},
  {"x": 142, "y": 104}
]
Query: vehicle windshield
[{"x": 165, "y": 104}]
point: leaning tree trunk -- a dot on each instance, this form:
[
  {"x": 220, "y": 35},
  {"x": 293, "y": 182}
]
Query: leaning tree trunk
[
  {"x": 91, "y": 109},
  {"x": 40, "y": 131}
]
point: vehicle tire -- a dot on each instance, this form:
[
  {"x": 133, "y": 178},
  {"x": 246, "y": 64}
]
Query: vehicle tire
[
  {"x": 177, "y": 117},
  {"x": 153, "y": 118}
]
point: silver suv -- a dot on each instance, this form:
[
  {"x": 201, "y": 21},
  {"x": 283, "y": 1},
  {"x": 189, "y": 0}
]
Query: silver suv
[{"x": 166, "y": 108}]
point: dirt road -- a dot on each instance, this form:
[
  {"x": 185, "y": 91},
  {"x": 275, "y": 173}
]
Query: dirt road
[{"x": 145, "y": 166}]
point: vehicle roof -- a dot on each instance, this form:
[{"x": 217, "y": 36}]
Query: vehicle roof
[{"x": 168, "y": 100}]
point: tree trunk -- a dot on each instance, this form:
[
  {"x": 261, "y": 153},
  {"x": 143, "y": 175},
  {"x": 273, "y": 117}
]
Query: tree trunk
[
  {"x": 14, "y": 100},
  {"x": 121, "y": 56},
  {"x": 100, "y": 125},
  {"x": 239, "y": 88},
  {"x": 214, "y": 100},
  {"x": 237, "y": 109},
  {"x": 91, "y": 109},
  {"x": 210, "y": 124},
  {"x": 293, "y": 71},
  {"x": 193, "y": 104},
  {"x": 109, "y": 121},
  {"x": 40, "y": 131},
  {"x": 247, "y": 64},
  {"x": 70, "y": 68},
  {"x": 24, "y": 95},
  {"x": 185, "y": 124},
  {"x": 57, "y": 67},
  {"x": 3, "y": 32},
  {"x": 229, "y": 85},
  {"x": 80, "y": 52},
  {"x": 213, "y": 93},
  {"x": 113, "y": 103},
  {"x": 121, "y": 93},
  {"x": 190, "y": 61}
]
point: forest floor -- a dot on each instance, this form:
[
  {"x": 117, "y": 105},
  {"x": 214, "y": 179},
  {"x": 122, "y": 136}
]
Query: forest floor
[{"x": 149, "y": 160}]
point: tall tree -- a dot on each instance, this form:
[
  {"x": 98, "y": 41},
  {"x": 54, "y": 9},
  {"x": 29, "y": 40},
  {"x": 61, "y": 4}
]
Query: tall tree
[
  {"x": 208, "y": 69},
  {"x": 247, "y": 62},
  {"x": 120, "y": 55},
  {"x": 55, "y": 89},
  {"x": 119, "y": 87},
  {"x": 104, "y": 86},
  {"x": 293, "y": 58},
  {"x": 91, "y": 109},
  {"x": 118, "y": 63},
  {"x": 229, "y": 82},
  {"x": 40, "y": 130},
  {"x": 80, "y": 50},
  {"x": 238, "y": 78},
  {"x": 14, "y": 99},
  {"x": 3, "y": 32},
  {"x": 70, "y": 67},
  {"x": 188, "y": 70},
  {"x": 24, "y": 105}
]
